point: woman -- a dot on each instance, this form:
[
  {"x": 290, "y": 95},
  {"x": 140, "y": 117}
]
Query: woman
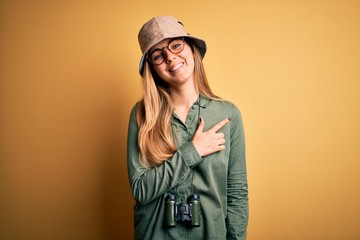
[{"x": 186, "y": 148}]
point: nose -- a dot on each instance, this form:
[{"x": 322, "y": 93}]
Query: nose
[{"x": 168, "y": 55}]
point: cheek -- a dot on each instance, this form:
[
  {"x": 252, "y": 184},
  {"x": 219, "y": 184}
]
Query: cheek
[
  {"x": 159, "y": 70},
  {"x": 191, "y": 62},
  {"x": 190, "y": 57}
]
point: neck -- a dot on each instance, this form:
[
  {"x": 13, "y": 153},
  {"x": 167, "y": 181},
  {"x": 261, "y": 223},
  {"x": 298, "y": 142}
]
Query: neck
[{"x": 184, "y": 97}]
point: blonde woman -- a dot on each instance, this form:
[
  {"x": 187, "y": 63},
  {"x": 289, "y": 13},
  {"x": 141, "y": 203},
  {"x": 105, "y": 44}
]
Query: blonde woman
[{"x": 186, "y": 147}]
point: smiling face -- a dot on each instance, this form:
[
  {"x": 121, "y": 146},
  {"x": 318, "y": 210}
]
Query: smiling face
[{"x": 177, "y": 68}]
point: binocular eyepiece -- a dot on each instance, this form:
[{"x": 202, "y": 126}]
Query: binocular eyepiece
[{"x": 189, "y": 212}]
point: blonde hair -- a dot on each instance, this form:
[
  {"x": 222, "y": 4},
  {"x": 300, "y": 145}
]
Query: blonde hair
[{"x": 154, "y": 113}]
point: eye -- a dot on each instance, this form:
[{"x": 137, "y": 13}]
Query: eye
[
  {"x": 157, "y": 56},
  {"x": 176, "y": 46}
]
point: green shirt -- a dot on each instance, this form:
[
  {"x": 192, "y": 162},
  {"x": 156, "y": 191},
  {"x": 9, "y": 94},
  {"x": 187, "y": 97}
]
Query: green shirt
[{"x": 220, "y": 178}]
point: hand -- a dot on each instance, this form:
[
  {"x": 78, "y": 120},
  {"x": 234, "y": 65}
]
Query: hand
[{"x": 210, "y": 141}]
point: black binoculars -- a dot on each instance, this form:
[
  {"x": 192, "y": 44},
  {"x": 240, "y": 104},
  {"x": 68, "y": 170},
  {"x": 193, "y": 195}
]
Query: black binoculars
[{"x": 189, "y": 212}]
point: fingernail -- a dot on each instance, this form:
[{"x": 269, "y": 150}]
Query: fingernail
[{"x": 229, "y": 119}]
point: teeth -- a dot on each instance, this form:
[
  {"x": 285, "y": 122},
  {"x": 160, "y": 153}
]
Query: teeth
[{"x": 176, "y": 67}]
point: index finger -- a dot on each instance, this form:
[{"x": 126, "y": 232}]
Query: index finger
[{"x": 220, "y": 124}]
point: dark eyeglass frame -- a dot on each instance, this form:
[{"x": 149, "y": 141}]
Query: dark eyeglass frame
[{"x": 168, "y": 48}]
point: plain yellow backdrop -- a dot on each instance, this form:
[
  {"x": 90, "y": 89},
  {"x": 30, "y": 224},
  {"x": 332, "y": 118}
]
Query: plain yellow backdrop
[{"x": 69, "y": 77}]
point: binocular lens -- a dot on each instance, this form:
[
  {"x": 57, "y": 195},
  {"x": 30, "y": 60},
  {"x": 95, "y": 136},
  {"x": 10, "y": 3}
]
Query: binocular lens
[{"x": 183, "y": 212}]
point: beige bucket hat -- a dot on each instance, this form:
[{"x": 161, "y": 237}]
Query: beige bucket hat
[{"x": 160, "y": 28}]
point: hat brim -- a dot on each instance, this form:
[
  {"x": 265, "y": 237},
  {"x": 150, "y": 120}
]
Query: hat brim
[{"x": 199, "y": 44}]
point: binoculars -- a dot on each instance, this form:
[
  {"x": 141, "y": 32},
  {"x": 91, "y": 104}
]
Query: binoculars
[{"x": 189, "y": 212}]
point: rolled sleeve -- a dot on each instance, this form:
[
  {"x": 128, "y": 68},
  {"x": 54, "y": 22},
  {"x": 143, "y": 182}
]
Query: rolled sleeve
[{"x": 190, "y": 154}]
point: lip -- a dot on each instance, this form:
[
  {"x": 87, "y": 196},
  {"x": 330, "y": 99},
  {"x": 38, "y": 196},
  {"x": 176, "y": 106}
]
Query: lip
[{"x": 176, "y": 67}]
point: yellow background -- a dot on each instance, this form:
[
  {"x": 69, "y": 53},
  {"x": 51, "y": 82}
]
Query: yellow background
[{"x": 69, "y": 77}]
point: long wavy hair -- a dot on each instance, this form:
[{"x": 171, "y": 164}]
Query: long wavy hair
[{"x": 155, "y": 109}]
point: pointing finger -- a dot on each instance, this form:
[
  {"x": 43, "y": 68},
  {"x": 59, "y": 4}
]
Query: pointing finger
[{"x": 220, "y": 124}]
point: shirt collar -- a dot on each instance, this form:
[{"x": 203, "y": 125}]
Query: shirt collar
[{"x": 203, "y": 101}]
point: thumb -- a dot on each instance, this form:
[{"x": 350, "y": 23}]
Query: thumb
[{"x": 201, "y": 125}]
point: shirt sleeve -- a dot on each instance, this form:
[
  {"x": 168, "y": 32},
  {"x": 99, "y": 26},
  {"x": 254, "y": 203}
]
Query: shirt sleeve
[
  {"x": 237, "y": 191},
  {"x": 150, "y": 183}
]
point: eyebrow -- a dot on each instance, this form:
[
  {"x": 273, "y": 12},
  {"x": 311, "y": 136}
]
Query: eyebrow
[{"x": 159, "y": 48}]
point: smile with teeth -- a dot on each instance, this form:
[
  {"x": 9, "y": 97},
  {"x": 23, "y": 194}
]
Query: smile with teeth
[{"x": 176, "y": 67}]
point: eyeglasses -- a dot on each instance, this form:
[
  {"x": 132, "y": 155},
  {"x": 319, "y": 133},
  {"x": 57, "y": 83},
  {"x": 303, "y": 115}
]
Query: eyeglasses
[{"x": 158, "y": 56}]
